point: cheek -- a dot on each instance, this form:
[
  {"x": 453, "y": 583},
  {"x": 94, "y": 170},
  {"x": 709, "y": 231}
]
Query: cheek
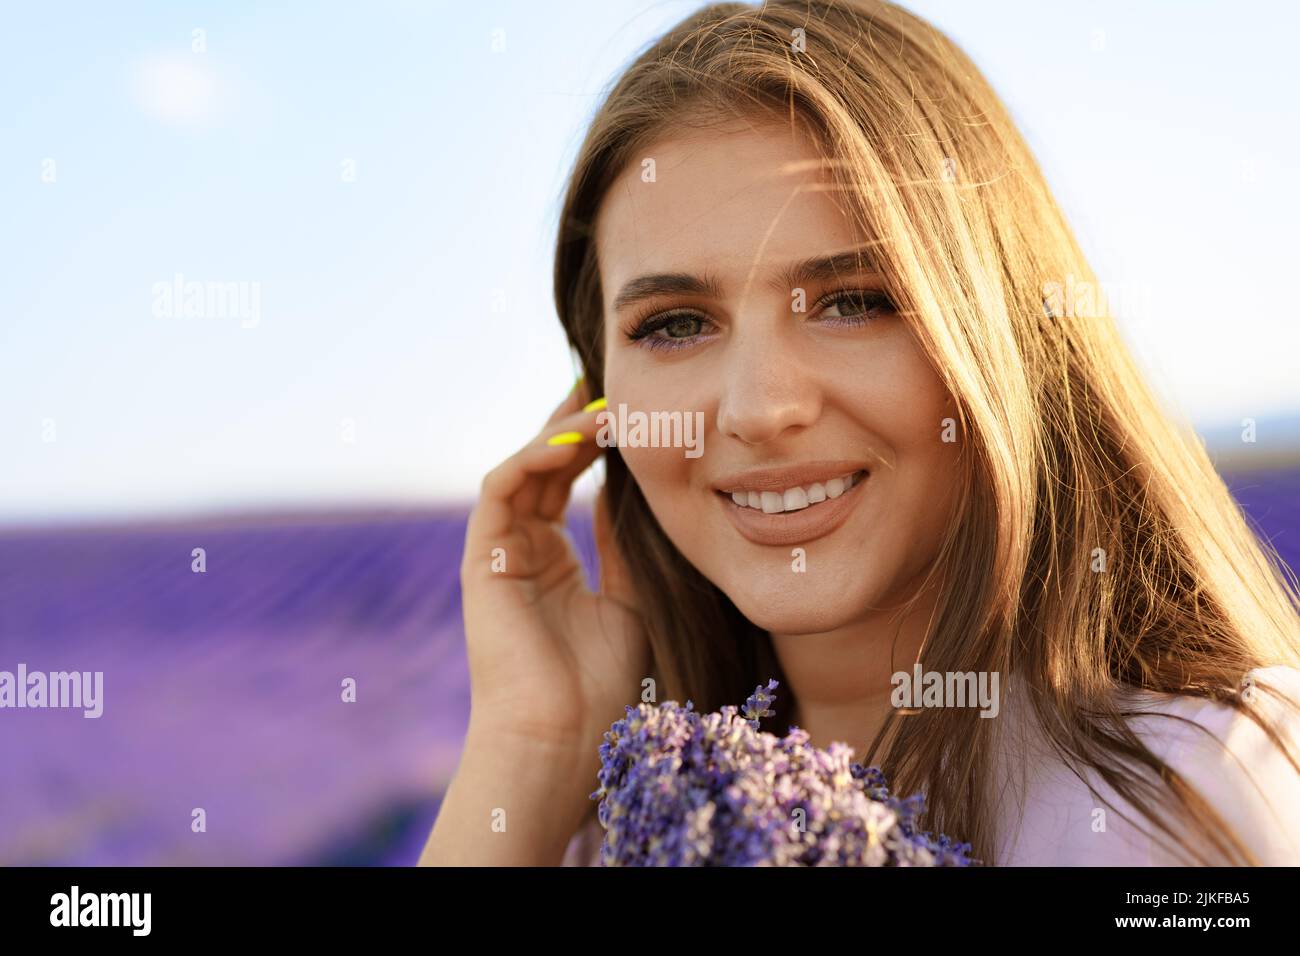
[
  {"x": 660, "y": 472},
  {"x": 901, "y": 406},
  {"x": 663, "y": 476},
  {"x": 925, "y": 478},
  {"x": 934, "y": 442},
  {"x": 904, "y": 402}
]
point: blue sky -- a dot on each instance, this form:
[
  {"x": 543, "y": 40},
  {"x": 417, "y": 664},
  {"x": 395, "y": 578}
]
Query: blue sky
[{"x": 388, "y": 181}]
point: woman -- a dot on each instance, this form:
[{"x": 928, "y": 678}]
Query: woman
[{"x": 812, "y": 229}]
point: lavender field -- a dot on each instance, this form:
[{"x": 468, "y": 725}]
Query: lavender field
[{"x": 222, "y": 690}]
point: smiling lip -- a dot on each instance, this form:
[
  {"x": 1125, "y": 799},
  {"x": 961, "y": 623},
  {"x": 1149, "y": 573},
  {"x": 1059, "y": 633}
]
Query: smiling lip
[
  {"x": 791, "y": 527},
  {"x": 779, "y": 479}
]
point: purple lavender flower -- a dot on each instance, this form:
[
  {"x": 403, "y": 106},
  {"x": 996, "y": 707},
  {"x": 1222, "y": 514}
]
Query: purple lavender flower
[
  {"x": 756, "y": 706},
  {"x": 680, "y": 788}
]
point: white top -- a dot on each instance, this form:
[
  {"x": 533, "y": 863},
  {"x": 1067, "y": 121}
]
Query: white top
[
  {"x": 1251, "y": 784},
  {"x": 1049, "y": 817}
]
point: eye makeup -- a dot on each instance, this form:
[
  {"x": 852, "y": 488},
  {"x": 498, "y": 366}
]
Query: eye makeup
[{"x": 672, "y": 329}]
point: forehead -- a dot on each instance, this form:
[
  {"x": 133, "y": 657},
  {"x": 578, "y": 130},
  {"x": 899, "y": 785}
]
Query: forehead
[{"x": 728, "y": 200}]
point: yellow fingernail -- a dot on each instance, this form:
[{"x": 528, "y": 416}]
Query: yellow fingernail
[
  {"x": 595, "y": 406},
  {"x": 565, "y": 438}
]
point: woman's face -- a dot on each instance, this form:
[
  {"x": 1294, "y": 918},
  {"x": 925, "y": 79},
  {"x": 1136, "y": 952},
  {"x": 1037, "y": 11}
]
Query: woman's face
[{"x": 802, "y": 378}]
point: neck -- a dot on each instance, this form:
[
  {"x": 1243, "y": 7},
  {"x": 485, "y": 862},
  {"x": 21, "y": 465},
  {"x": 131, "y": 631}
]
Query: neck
[{"x": 840, "y": 679}]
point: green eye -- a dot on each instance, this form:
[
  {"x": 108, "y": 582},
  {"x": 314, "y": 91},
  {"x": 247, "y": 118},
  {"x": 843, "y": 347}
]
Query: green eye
[
  {"x": 856, "y": 307},
  {"x": 669, "y": 330},
  {"x": 682, "y": 326}
]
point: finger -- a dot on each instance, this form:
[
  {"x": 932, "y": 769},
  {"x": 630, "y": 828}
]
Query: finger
[
  {"x": 557, "y": 487},
  {"x": 513, "y": 489},
  {"x": 571, "y": 404},
  {"x": 495, "y": 513},
  {"x": 547, "y": 499}
]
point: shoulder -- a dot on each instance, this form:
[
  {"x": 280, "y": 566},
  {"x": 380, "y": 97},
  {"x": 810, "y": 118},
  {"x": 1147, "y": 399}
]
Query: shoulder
[
  {"x": 1237, "y": 767},
  {"x": 1221, "y": 753}
]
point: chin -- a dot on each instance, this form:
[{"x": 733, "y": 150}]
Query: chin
[{"x": 805, "y": 607}]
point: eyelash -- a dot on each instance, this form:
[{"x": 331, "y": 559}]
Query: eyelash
[{"x": 644, "y": 327}]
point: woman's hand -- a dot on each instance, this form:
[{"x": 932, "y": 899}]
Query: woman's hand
[{"x": 551, "y": 662}]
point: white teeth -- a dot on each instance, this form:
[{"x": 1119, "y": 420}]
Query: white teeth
[{"x": 793, "y": 499}]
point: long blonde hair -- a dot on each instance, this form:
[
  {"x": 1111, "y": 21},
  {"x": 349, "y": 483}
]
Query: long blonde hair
[{"x": 1067, "y": 459}]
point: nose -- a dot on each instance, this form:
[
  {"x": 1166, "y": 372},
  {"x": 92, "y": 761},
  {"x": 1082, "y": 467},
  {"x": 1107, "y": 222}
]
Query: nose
[{"x": 766, "y": 387}]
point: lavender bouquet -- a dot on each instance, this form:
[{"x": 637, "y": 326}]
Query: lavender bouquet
[{"x": 680, "y": 788}]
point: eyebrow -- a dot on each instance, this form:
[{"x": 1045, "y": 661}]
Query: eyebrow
[{"x": 818, "y": 268}]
